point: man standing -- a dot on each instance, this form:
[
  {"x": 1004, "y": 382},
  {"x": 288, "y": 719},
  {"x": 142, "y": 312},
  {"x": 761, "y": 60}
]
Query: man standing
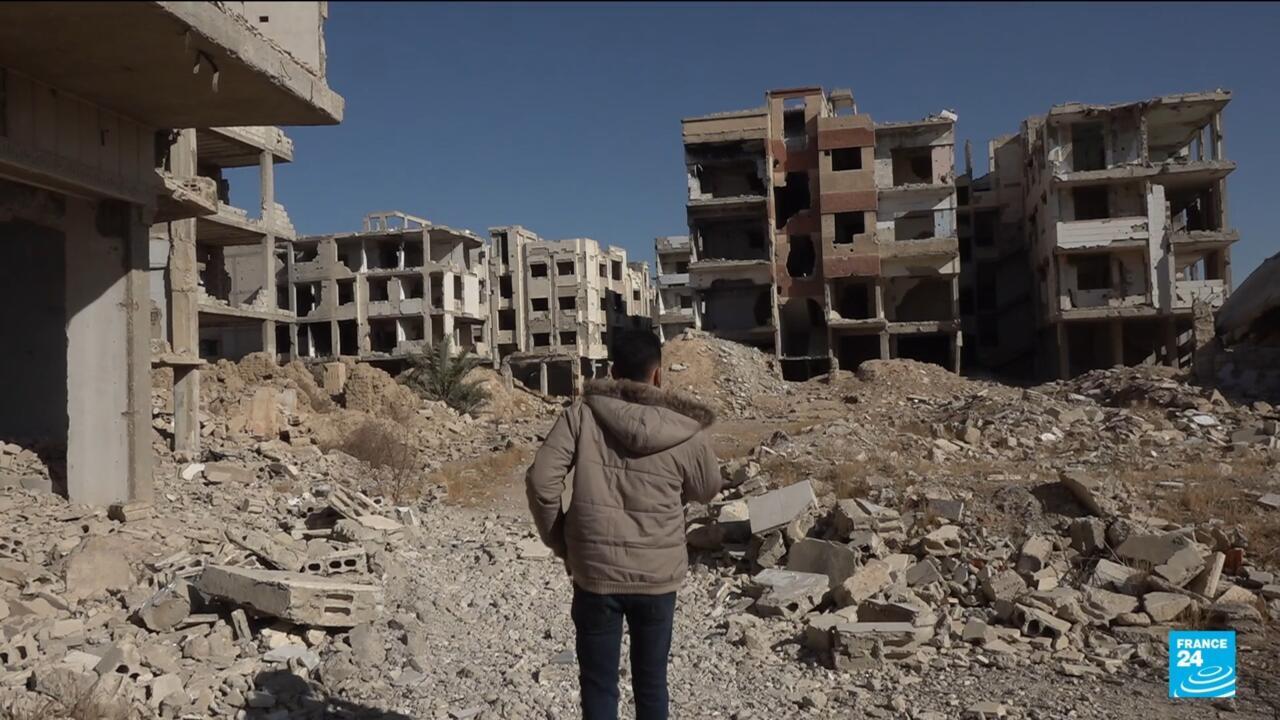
[{"x": 636, "y": 454}]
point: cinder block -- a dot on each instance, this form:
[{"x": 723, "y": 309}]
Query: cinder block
[{"x": 301, "y": 599}]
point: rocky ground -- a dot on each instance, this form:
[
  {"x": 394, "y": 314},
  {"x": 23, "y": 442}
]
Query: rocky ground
[{"x": 896, "y": 543}]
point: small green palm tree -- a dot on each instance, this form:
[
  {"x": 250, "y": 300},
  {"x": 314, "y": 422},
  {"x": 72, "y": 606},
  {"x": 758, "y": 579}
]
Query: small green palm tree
[{"x": 440, "y": 375}]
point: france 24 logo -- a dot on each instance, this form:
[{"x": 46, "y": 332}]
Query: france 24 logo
[{"x": 1202, "y": 664}]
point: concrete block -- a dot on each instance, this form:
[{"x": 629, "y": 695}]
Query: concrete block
[
  {"x": 776, "y": 509},
  {"x": 924, "y": 572},
  {"x": 943, "y": 542},
  {"x": 1088, "y": 535},
  {"x": 1183, "y": 567},
  {"x": 263, "y": 416},
  {"x": 98, "y": 565},
  {"x": 1006, "y": 585},
  {"x": 1206, "y": 583},
  {"x": 1035, "y": 554},
  {"x": 868, "y": 580},
  {"x": 167, "y": 608},
  {"x": 787, "y": 593},
  {"x": 1106, "y": 605},
  {"x": 1107, "y": 574},
  {"x": 1165, "y": 607},
  {"x": 300, "y": 599},
  {"x": 216, "y": 473},
  {"x": 834, "y": 560},
  {"x": 1036, "y": 623},
  {"x": 131, "y": 511},
  {"x": 1086, "y": 489},
  {"x": 335, "y": 378},
  {"x": 352, "y": 504}
]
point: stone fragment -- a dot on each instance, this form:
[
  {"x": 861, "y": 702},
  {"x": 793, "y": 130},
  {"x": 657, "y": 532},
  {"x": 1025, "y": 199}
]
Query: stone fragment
[
  {"x": 977, "y": 631},
  {"x": 1086, "y": 489},
  {"x": 1270, "y": 501},
  {"x": 985, "y": 710},
  {"x": 356, "y": 560},
  {"x": 861, "y": 646},
  {"x": 1165, "y": 607},
  {"x": 164, "y": 687},
  {"x": 131, "y": 511},
  {"x": 778, "y": 508},
  {"x": 335, "y": 378},
  {"x": 1206, "y": 583},
  {"x": 1006, "y": 585},
  {"x": 865, "y": 582},
  {"x": 167, "y": 608},
  {"x": 768, "y": 549},
  {"x": 1036, "y": 622},
  {"x": 98, "y": 565},
  {"x": 943, "y": 542},
  {"x": 922, "y": 573},
  {"x": 301, "y": 599},
  {"x": 1106, "y": 605},
  {"x": 832, "y": 559},
  {"x": 1035, "y": 554},
  {"x": 285, "y": 654},
  {"x": 787, "y": 593},
  {"x": 1088, "y": 535},
  {"x": 1107, "y": 574},
  {"x": 1182, "y": 567}
]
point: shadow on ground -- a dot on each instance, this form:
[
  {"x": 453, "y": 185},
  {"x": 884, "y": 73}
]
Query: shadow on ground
[{"x": 303, "y": 700}]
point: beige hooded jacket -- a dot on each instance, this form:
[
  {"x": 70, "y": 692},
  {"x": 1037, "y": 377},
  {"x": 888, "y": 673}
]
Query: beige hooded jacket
[{"x": 634, "y": 454}]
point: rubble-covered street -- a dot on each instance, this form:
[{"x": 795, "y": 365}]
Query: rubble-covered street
[{"x": 900, "y": 543}]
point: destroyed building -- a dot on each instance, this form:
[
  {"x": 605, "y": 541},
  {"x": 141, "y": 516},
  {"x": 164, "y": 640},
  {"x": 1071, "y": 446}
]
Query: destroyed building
[
  {"x": 674, "y": 306},
  {"x": 1126, "y": 217},
  {"x": 385, "y": 293},
  {"x": 821, "y": 236},
  {"x": 83, "y": 178},
  {"x": 555, "y": 304}
]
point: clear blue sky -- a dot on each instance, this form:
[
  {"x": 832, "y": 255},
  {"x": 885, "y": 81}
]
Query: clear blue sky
[{"x": 566, "y": 118}]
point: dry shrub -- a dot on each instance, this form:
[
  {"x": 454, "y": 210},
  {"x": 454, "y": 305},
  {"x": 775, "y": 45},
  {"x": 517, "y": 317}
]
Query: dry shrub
[
  {"x": 476, "y": 482},
  {"x": 90, "y": 705},
  {"x": 1220, "y": 500},
  {"x": 388, "y": 450}
]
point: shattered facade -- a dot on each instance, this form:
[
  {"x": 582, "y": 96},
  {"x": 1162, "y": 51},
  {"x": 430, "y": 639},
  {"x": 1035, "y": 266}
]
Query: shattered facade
[
  {"x": 1126, "y": 216},
  {"x": 555, "y": 303},
  {"x": 398, "y": 286},
  {"x": 83, "y": 178},
  {"x": 822, "y": 236},
  {"x": 674, "y": 307}
]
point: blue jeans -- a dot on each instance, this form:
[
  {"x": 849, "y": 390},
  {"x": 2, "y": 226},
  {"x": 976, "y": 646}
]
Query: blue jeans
[{"x": 598, "y": 620}]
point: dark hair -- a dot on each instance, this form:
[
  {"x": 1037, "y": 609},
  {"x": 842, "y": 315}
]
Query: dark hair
[{"x": 635, "y": 354}]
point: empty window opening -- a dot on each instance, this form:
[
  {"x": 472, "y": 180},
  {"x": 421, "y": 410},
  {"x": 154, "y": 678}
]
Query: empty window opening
[
  {"x": 378, "y": 290},
  {"x": 846, "y": 159},
  {"x": 616, "y": 267},
  {"x": 986, "y": 288},
  {"x": 564, "y": 267},
  {"x": 853, "y": 350},
  {"x": 916, "y": 225},
  {"x": 411, "y": 328},
  {"x": 849, "y": 224},
  {"x": 791, "y": 198},
  {"x": 386, "y": 257},
  {"x": 506, "y": 319},
  {"x": 541, "y": 339},
  {"x": 794, "y": 131},
  {"x": 803, "y": 328},
  {"x": 437, "y": 291},
  {"x": 264, "y": 18},
  {"x": 1088, "y": 151},
  {"x": 346, "y": 291},
  {"x": 348, "y": 338},
  {"x": 919, "y": 299},
  {"x": 308, "y": 297},
  {"x": 856, "y": 301},
  {"x": 305, "y": 253},
  {"x": 966, "y": 248},
  {"x": 321, "y": 339},
  {"x": 504, "y": 287},
  {"x": 567, "y": 302},
  {"x": 733, "y": 178},
  {"x": 932, "y": 348},
  {"x": 351, "y": 254},
  {"x": 539, "y": 304},
  {"x": 458, "y": 289},
  {"x": 382, "y": 335},
  {"x": 413, "y": 254},
  {"x": 1093, "y": 272},
  {"x": 413, "y": 287},
  {"x": 686, "y": 302},
  {"x": 912, "y": 166},
  {"x": 635, "y": 296},
  {"x": 801, "y": 258},
  {"x": 1193, "y": 209},
  {"x": 962, "y": 195},
  {"x": 1091, "y": 203},
  {"x": 538, "y": 270},
  {"x": 984, "y": 228},
  {"x": 682, "y": 267},
  {"x": 569, "y": 337}
]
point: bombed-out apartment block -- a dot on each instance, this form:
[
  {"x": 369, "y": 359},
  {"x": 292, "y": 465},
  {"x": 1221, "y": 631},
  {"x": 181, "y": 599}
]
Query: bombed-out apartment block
[
  {"x": 821, "y": 236},
  {"x": 997, "y": 288},
  {"x": 673, "y": 311},
  {"x": 1126, "y": 215},
  {"x": 554, "y": 305},
  {"x": 397, "y": 287},
  {"x": 84, "y": 177}
]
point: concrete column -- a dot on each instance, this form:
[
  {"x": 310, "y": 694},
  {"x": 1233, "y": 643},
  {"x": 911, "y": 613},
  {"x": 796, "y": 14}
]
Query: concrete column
[
  {"x": 183, "y": 312},
  {"x": 108, "y": 352},
  {"x": 955, "y": 353},
  {"x": 1064, "y": 354},
  {"x": 266, "y": 168},
  {"x": 1169, "y": 327},
  {"x": 885, "y": 346},
  {"x": 1116, "y": 328},
  {"x": 878, "y": 288},
  {"x": 542, "y": 377}
]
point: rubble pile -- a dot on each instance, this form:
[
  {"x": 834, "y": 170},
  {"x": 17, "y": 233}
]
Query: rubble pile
[
  {"x": 177, "y": 611},
  {"x": 21, "y": 465},
  {"x": 730, "y": 376},
  {"x": 863, "y": 584}
]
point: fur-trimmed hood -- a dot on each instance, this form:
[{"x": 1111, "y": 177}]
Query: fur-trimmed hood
[{"x": 645, "y": 418}]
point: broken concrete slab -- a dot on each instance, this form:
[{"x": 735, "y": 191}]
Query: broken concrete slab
[
  {"x": 97, "y": 566},
  {"x": 217, "y": 473},
  {"x": 776, "y": 509},
  {"x": 301, "y": 599},
  {"x": 1206, "y": 583},
  {"x": 1086, "y": 489},
  {"x": 1107, "y": 574},
  {"x": 832, "y": 559},
  {"x": 167, "y": 608},
  {"x": 1165, "y": 607},
  {"x": 786, "y": 592},
  {"x": 1006, "y": 585},
  {"x": 871, "y": 578},
  {"x": 943, "y": 542}
]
